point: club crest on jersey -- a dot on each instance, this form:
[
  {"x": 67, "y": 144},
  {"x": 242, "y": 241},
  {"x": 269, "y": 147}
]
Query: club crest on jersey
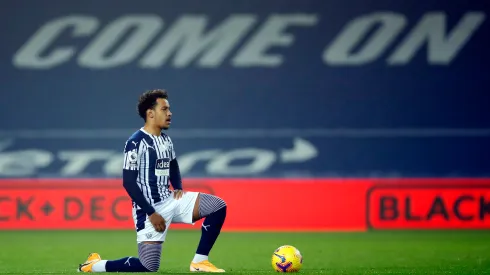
[{"x": 162, "y": 167}]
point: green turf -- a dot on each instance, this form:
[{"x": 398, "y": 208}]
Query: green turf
[{"x": 422, "y": 252}]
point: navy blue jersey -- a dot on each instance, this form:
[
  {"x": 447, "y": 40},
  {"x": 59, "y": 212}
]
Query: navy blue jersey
[{"x": 150, "y": 155}]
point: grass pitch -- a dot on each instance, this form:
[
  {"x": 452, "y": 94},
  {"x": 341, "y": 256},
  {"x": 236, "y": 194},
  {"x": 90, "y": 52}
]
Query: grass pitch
[{"x": 401, "y": 252}]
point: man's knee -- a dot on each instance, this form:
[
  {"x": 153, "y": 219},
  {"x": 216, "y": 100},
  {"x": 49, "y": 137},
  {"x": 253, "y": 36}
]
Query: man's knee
[
  {"x": 149, "y": 254},
  {"x": 222, "y": 201},
  {"x": 153, "y": 268},
  {"x": 209, "y": 204}
]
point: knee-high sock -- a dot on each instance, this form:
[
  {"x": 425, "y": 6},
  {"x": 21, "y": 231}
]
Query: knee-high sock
[
  {"x": 148, "y": 261},
  {"x": 214, "y": 210}
]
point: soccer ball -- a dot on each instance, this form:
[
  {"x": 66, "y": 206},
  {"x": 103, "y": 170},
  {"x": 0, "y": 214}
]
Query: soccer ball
[{"x": 287, "y": 259}]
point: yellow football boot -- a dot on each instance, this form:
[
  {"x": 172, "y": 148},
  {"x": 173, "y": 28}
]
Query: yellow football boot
[
  {"x": 204, "y": 266},
  {"x": 91, "y": 260}
]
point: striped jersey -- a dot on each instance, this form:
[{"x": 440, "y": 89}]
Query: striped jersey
[{"x": 150, "y": 155}]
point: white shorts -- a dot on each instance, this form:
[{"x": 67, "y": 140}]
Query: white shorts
[{"x": 173, "y": 211}]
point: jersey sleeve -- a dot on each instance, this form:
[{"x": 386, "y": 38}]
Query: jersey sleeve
[
  {"x": 132, "y": 155},
  {"x": 172, "y": 150}
]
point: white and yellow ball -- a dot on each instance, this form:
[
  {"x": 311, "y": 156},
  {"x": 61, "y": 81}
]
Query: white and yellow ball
[{"x": 287, "y": 259}]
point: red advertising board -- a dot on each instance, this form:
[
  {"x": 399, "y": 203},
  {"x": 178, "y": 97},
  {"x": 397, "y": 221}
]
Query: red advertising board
[
  {"x": 262, "y": 205},
  {"x": 429, "y": 204},
  {"x": 259, "y": 204}
]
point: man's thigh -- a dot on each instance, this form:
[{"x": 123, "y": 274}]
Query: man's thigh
[
  {"x": 145, "y": 232},
  {"x": 185, "y": 207}
]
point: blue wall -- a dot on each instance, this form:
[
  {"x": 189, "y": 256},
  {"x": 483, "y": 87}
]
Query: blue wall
[{"x": 257, "y": 88}]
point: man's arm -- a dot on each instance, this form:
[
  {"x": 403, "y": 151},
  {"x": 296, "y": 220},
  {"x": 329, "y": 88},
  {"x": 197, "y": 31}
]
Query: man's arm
[
  {"x": 131, "y": 186},
  {"x": 132, "y": 156},
  {"x": 175, "y": 178}
]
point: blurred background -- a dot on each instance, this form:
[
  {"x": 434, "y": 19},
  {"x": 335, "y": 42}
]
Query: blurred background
[
  {"x": 334, "y": 97},
  {"x": 257, "y": 88},
  {"x": 303, "y": 115}
]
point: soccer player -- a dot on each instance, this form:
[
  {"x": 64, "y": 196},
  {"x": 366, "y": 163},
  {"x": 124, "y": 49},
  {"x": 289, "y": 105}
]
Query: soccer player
[{"x": 150, "y": 166}]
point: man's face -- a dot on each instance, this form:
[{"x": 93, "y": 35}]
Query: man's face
[{"x": 163, "y": 115}]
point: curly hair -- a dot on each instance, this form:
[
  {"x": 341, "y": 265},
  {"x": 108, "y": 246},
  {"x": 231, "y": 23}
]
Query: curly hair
[{"x": 148, "y": 100}]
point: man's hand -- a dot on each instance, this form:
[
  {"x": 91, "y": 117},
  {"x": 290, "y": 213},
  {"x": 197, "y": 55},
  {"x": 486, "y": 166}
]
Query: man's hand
[
  {"x": 158, "y": 222},
  {"x": 178, "y": 194}
]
